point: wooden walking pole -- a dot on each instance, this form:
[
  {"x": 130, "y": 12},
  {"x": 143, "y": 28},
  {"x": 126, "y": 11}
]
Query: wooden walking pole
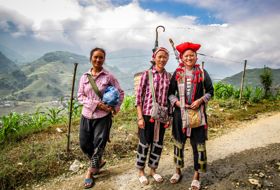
[
  {"x": 70, "y": 110},
  {"x": 242, "y": 82}
]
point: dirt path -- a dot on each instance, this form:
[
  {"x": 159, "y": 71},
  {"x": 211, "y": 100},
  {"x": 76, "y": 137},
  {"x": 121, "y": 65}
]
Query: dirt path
[{"x": 224, "y": 153}]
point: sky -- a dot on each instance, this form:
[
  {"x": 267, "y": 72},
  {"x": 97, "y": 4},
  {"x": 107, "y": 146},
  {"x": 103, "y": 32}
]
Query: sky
[{"x": 229, "y": 31}]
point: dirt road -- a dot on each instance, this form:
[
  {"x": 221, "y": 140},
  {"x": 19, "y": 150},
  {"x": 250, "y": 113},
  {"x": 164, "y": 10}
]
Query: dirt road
[{"x": 251, "y": 151}]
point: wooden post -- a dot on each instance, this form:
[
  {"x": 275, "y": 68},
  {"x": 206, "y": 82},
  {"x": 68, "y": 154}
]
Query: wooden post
[
  {"x": 242, "y": 82},
  {"x": 70, "y": 110}
]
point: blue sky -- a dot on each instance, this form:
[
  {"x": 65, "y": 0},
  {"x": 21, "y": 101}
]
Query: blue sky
[
  {"x": 229, "y": 31},
  {"x": 176, "y": 9}
]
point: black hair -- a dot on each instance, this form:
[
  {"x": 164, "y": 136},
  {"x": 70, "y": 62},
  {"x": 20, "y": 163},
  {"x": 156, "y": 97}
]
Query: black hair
[{"x": 96, "y": 49}]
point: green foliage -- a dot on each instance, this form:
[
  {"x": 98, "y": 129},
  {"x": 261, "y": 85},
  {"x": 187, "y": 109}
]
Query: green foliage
[
  {"x": 9, "y": 125},
  {"x": 266, "y": 80},
  {"x": 257, "y": 96},
  {"x": 223, "y": 90},
  {"x": 76, "y": 108},
  {"x": 54, "y": 115},
  {"x": 128, "y": 103}
]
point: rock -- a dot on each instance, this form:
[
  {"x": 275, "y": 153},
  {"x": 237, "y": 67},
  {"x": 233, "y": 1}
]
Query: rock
[
  {"x": 267, "y": 183},
  {"x": 261, "y": 175},
  {"x": 59, "y": 130},
  {"x": 255, "y": 182},
  {"x": 75, "y": 166}
]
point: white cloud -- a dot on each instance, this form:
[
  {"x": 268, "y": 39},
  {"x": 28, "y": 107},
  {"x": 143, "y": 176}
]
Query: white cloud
[{"x": 90, "y": 23}]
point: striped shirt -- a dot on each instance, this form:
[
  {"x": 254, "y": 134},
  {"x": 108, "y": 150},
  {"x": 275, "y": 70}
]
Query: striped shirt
[
  {"x": 144, "y": 94},
  {"x": 89, "y": 99}
]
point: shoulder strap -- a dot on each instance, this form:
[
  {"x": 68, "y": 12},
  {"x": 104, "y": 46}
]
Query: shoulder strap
[
  {"x": 202, "y": 76},
  {"x": 94, "y": 86},
  {"x": 151, "y": 81}
]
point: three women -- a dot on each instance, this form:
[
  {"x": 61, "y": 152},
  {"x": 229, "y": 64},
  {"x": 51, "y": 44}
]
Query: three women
[{"x": 188, "y": 90}]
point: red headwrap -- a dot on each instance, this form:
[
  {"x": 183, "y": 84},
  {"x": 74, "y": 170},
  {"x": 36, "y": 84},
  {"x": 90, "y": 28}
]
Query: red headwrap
[{"x": 187, "y": 45}]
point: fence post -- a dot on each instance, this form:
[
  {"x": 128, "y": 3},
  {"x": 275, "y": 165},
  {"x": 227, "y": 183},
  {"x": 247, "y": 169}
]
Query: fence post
[
  {"x": 70, "y": 110},
  {"x": 242, "y": 82}
]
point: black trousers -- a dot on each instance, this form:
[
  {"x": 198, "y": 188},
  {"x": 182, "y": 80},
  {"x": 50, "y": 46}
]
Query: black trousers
[
  {"x": 94, "y": 134},
  {"x": 197, "y": 140},
  {"x": 146, "y": 142}
]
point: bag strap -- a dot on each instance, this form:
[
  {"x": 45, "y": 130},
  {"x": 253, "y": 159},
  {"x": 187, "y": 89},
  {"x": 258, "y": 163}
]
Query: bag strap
[
  {"x": 203, "y": 78},
  {"x": 94, "y": 86},
  {"x": 151, "y": 81}
]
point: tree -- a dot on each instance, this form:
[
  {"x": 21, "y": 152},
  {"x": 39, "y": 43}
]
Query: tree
[{"x": 266, "y": 80}]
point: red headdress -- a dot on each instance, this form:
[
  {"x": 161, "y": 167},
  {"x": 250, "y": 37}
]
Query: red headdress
[{"x": 187, "y": 45}]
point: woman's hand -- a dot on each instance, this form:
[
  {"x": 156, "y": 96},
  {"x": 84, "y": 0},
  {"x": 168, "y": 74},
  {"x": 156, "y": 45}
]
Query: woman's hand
[
  {"x": 196, "y": 104},
  {"x": 177, "y": 103},
  {"x": 104, "y": 107},
  {"x": 141, "y": 123}
]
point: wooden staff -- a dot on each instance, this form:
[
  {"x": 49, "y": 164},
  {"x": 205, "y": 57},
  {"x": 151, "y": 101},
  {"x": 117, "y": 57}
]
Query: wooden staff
[{"x": 70, "y": 111}]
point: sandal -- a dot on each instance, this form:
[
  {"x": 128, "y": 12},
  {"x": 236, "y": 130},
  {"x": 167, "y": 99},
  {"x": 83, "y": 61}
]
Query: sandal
[
  {"x": 195, "y": 185},
  {"x": 175, "y": 178},
  {"x": 143, "y": 180},
  {"x": 157, "y": 178},
  {"x": 89, "y": 183}
]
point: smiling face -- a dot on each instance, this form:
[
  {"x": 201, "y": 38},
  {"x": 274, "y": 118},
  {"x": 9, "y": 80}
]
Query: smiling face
[
  {"x": 161, "y": 59},
  {"x": 97, "y": 59},
  {"x": 189, "y": 58}
]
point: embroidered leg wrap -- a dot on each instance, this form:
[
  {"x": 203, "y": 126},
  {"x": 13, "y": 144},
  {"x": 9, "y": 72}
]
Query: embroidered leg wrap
[
  {"x": 155, "y": 155},
  {"x": 96, "y": 158},
  {"x": 142, "y": 151},
  {"x": 179, "y": 154},
  {"x": 202, "y": 158}
]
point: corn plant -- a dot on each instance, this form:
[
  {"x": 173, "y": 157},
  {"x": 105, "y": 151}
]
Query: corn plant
[
  {"x": 128, "y": 103},
  {"x": 223, "y": 90},
  {"x": 12, "y": 124},
  {"x": 76, "y": 108},
  {"x": 37, "y": 120},
  {"x": 257, "y": 95},
  {"x": 54, "y": 116}
]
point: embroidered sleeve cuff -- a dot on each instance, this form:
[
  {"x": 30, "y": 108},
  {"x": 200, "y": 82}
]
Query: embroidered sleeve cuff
[
  {"x": 206, "y": 97},
  {"x": 173, "y": 99}
]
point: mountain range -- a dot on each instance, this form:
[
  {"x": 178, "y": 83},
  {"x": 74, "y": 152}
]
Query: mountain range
[{"x": 50, "y": 76}]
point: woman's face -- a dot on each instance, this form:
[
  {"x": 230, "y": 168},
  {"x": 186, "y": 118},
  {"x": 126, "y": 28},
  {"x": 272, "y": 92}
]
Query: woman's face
[
  {"x": 97, "y": 59},
  {"x": 161, "y": 59},
  {"x": 189, "y": 58}
]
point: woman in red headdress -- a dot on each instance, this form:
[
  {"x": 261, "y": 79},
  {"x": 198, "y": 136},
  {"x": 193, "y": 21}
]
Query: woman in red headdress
[
  {"x": 153, "y": 88},
  {"x": 189, "y": 91}
]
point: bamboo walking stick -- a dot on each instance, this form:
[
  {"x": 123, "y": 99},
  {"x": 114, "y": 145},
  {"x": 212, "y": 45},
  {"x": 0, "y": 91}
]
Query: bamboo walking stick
[{"x": 70, "y": 110}]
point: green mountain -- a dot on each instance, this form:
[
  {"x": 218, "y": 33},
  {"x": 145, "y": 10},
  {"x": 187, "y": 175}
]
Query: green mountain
[
  {"x": 50, "y": 76},
  {"x": 11, "y": 77},
  {"x": 252, "y": 78},
  {"x": 12, "y": 55}
]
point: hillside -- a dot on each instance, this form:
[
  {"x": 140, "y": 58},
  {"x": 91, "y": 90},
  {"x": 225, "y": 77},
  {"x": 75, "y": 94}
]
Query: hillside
[
  {"x": 50, "y": 76},
  {"x": 11, "y": 77},
  {"x": 12, "y": 55},
  {"x": 252, "y": 78}
]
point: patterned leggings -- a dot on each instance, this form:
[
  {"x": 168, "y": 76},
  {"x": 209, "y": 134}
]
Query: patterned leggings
[{"x": 146, "y": 142}]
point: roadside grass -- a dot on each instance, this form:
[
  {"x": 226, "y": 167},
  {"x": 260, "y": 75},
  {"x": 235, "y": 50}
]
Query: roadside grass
[{"x": 42, "y": 155}]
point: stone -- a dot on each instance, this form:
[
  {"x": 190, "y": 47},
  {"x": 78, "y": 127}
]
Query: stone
[
  {"x": 261, "y": 175},
  {"x": 75, "y": 166},
  {"x": 254, "y": 182}
]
